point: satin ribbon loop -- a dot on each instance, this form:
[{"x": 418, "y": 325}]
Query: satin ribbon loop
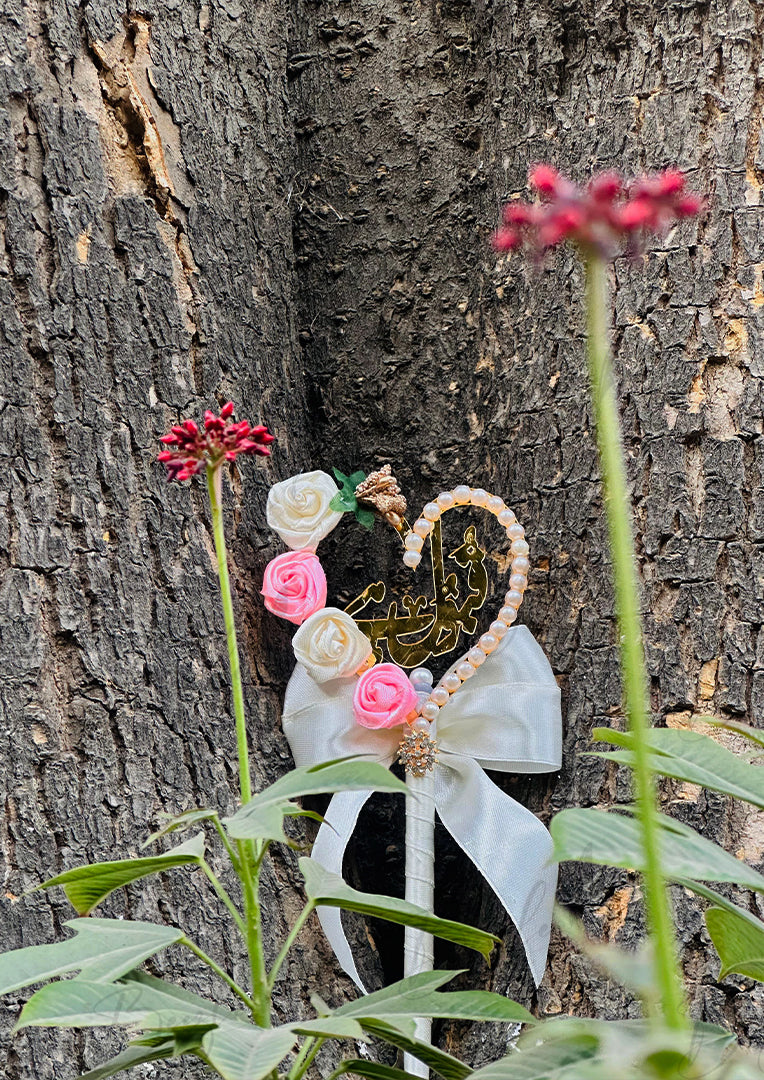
[{"x": 506, "y": 717}]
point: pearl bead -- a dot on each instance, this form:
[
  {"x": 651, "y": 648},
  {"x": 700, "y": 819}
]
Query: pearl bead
[
  {"x": 513, "y": 598},
  {"x": 445, "y": 500},
  {"x": 422, "y": 528},
  {"x": 488, "y": 643},
  {"x": 420, "y": 725},
  {"x": 521, "y": 565},
  {"x": 462, "y": 494},
  {"x": 476, "y": 656},
  {"x": 506, "y": 518},
  {"x": 465, "y": 671},
  {"x": 508, "y": 615},
  {"x": 440, "y": 695},
  {"x": 431, "y": 512},
  {"x": 412, "y": 559},
  {"x": 516, "y": 531},
  {"x": 519, "y": 547},
  {"x": 413, "y": 542},
  {"x": 479, "y": 497},
  {"x": 452, "y": 682},
  {"x": 498, "y": 629},
  {"x": 518, "y": 582},
  {"x": 430, "y": 710},
  {"x": 495, "y": 504},
  {"x": 421, "y": 677}
]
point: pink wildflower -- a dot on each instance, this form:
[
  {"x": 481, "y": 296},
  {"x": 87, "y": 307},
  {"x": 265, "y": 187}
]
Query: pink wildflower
[
  {"x": 597, "y": 217},
  {"x": 191, "y": 450}
]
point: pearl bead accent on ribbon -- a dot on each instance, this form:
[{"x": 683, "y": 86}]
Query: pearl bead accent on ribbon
[{"x": 463, "y": 495}]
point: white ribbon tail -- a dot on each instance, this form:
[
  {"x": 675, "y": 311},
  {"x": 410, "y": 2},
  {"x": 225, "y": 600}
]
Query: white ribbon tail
[
  {"x": 329, "y": 850},
  {"x": 418, "y": 951},
  {"x": 507, "y": 843}
]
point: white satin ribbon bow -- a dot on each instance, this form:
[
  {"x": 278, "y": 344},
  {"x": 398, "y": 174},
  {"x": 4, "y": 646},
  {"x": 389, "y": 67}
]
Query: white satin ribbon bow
[{"x": 507, "y": 718}]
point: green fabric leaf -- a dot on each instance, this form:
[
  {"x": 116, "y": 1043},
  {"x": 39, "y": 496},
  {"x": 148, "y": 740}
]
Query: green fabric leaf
[
  {"x": 87, "y": 886},
  {"x": 343, "y": 503},
  {"x": 739, "y": 940},
  {"x": 365, "y": 517},
  {"x": 82, "y": 1003},
  {"x": 330, "y": 890},
  {"x": 102, "y": 950},
  {"x": 356, "y": 478},
  {"x": 131, "y": 1055},
  {"x": 262, "y": 817},
  {"x": 240, "y": 1052},
  {"x": 179, "y": 821},
  {"x": 612, "y": 839},
  {"x": 417, "y": 996},
  {"x": 688, "y": 755},
  {"x": 450, "y": 1068}
]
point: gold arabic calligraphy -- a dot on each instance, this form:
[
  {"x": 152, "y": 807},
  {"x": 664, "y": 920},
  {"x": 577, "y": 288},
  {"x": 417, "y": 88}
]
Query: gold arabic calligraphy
[{"x": 437, "y": 623}]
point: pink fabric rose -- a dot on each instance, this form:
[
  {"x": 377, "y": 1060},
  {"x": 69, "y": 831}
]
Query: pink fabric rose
[
  {"x": 383, "y": 697},
  {"x": 294, "y": 585}
]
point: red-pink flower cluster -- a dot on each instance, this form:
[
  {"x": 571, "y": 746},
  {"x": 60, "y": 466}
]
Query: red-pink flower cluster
[
  {"x": 192, "y": 449},
  {"x": 597, "y": 217}
]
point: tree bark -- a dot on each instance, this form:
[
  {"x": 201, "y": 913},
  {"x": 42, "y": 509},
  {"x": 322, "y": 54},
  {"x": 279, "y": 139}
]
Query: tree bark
[{"x": 290, "y": 205}]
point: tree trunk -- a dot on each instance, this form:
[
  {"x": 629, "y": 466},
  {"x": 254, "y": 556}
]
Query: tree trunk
[{"x": 290, "y": 205}]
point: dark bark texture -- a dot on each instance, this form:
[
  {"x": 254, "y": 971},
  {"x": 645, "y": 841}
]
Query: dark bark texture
[{"x": 289, "y": 204}]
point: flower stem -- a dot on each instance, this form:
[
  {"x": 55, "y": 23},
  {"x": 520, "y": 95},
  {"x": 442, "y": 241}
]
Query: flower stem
[
  {"x": 301, "y": 920},
  {"x": 214, "y": 488},
  {"x": 621, "y": 536}
]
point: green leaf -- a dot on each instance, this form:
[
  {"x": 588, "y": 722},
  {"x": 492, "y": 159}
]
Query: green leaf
[
  {"x": 613, "y": 839},
  {"x": 356, "y": 478},
  {"x": 365, "y": 517},
  {"x": 81, "y": 1003},
  {"x": 688, "y": 755},
  {"x": 262, "y": 817},
  {"x": 240, "y": 1052},
  {"x": 340, "y": 477},
  {"x": 87, "y": 886},
  {"x": 543, "y": 1061},
  {"x": 450, "y": 1068},
  {"x": 634, "y": 969},
  {"x": 755, "y": 735},
  {"x": 131, "y": 1055},
  {"x": 103, "y": 950},
  {"x": 327, "y": 1027},
  {"x": 371, "y": 1070},
  {"x": 417, "y": 996},
  {"x": 739, "y": 940},
  {"x": 179, "y": 821},
  {"x": 331, "y": 891}
]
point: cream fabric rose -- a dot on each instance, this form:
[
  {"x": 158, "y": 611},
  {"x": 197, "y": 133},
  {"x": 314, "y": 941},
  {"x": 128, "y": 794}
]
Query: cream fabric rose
[
  {"x": 298, "y": 509},
  {"x": 329, "y": 645}
]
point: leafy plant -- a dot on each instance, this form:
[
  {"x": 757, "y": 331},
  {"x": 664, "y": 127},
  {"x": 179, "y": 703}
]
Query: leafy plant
[{"x": 109, "y": 987}]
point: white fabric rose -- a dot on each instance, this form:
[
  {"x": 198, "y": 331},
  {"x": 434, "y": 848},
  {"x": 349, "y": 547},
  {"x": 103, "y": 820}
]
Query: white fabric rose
[
  {"x": 329, "y": 645},
  {"x": 298, "y": 509}
]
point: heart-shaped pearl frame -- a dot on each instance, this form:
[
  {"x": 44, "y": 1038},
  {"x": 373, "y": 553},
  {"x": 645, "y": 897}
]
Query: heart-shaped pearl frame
[{"x": 413, "y": 542}]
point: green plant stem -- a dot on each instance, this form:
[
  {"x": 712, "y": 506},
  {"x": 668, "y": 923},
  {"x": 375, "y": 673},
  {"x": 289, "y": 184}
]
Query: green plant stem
[
  {"x": 220, "y": 972},
  {"x": 250, "y": 880},
  {"x": 218, "y": 532},
  {"x": 249, "y": 858},
  {"x": 223, "y": 896},
  {"x": 305, "y": 1058},
  {"x": 292, "y": 937},
  {"x": 621, "y": 537}
]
